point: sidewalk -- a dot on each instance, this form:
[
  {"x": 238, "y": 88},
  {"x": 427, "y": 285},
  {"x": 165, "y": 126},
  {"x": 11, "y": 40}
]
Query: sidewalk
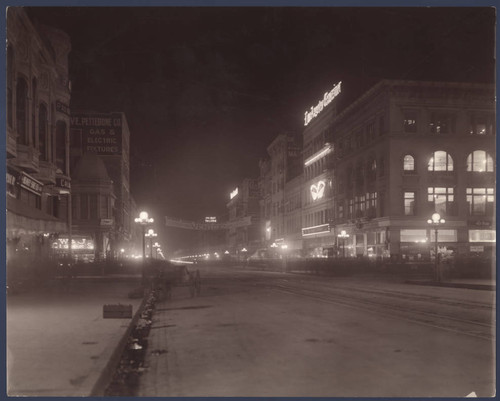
[{"x": 58, "y": 343}]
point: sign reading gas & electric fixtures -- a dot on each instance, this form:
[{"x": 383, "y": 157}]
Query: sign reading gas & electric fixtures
[
  {"x": 101, "y": 133},
  {"x": 327, "y": 99}
]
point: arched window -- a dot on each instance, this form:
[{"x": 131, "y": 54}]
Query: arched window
[
  {"x": 479, "y": 161},
  {"x": 440, "y": 161},
  {"x": 43, "y": 138},
  {"x": 10, "y": 79},
  {"x": 33, "y": 113},
  {"x": 61, "y": 146},
  {"x": 22, "y": 111},
  {"x": 409, "y": 163}
]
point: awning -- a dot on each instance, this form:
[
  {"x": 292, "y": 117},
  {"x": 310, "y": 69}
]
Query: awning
[{"x": 24, "y": 219}]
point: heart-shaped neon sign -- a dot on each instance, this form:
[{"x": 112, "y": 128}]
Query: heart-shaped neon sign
[{"x": 318, "y": 190}]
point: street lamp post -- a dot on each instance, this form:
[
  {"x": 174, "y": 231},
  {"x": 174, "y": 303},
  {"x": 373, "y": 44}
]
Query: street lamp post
[
  {"x": 156, "y": 246},
  {"x": 435, "y": 221},
  {"x": 151, "y": 234},
  {"x": 244, "y": 253},
  {"x": 144, "y": 220},
  {"x": 284, "y": 248},
  {"x": 343, "y": 235}
]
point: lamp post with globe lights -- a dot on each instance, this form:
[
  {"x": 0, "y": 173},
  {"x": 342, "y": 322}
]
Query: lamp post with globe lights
[
  {"x": 151, "y": 234},
  {"x": 156, "y": 246},
  {"x": 435, "y": 221},
  {"x": 343, "y": 236},
  {"x": 144, "y": 220}
]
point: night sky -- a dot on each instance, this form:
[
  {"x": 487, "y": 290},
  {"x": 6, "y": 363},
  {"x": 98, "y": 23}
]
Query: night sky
[{"x": 205, "y": 90}]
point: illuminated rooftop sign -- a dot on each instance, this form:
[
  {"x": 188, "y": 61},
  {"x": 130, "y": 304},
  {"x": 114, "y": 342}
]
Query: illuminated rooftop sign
[
  {"x": 327, "y": 99},
  {"x": 234, "y": 193},
  {"x": 210, "y": 219},
  {"x": 318, "y": 190}
]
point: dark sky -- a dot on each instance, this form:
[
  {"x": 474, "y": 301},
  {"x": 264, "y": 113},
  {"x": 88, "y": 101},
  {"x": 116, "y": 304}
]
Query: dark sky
[{"x": 205, "y": 90}]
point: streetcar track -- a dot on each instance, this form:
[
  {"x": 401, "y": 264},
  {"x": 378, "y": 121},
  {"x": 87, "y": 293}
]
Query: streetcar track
[
  {"x": 392, "y": 306},
  {"x": 361, "y": 304},
  {"x": 405, "y": 295}
]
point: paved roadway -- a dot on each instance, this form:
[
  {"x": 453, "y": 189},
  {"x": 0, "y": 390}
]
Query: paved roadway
[{"x": 262, "y": 334}]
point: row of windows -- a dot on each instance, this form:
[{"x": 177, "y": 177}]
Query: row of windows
[
  {"x": 91, "y": 207},
  {"x": 477, "y": 161},
  {"x": 480, "y": 201},
  {"x": 40, "y": 139},
  {"x": 445, "y": 123},
  {"x": 361, "y": 137}
]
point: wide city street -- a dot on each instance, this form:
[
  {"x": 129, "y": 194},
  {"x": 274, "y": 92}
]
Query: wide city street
[{"x": 258, "y": 333}]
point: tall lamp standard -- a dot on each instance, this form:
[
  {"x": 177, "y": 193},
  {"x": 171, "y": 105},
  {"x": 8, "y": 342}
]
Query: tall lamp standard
[
  {"x": 343, "y": 236},
  {"x": 151, "y": 234},
  {"x": 144, "y": 220},
  {"x": 435, "y": 221},
  {"x": 156, "y": 246}
]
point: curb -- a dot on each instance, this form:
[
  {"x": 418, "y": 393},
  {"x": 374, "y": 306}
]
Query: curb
[
  {"x": 107, "y": 373},
  {"x": 484, "y": 287}
]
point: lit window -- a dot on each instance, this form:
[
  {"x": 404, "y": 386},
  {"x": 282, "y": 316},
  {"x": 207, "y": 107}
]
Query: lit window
[
  {"x": 444, "y": 235},
  {"x": 442, "y": 200},
  {"x": 410, "y": 122},
  {"x": 440, "y": 161},
  {"x": 442, "y": 123},
  {"x": 482, "y": 125},
  {"x": 481, "y": 201},
  {"x": 411, "y": 235},
  {"x": 479, "y": 161},
  {"x": 409, "y": 202},
  {"x": 482, "y": 236},
  {"x": 409, "y": 163}
]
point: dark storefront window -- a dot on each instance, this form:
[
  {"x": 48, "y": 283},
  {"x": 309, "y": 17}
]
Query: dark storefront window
[
  {"x": 10, "y": 78},
  {"x": 84, "y": 207},
  {"x": 61, "y": 146},
  {"x": 30, "y": 198},
  {"x": 43, "y": 132},
  {"x": 33, "y": 113},
  {"x": 22, "y": 111},
  {"x": 93, "y": 209}
]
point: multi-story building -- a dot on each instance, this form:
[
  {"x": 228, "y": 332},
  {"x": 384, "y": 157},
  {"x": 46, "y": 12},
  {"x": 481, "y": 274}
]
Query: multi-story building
[
  {"x": 243, "y": 217},
  {"x": 318, "y": 189},
  {"x": 399, "y": 153},
  {"x": 107, "y": 135},
  {"x": 282, "y": 165},
  {"x": 293, "y": 215},
  {"x": 92, "y": 209},
  {"x": 37, "y": 153}
]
